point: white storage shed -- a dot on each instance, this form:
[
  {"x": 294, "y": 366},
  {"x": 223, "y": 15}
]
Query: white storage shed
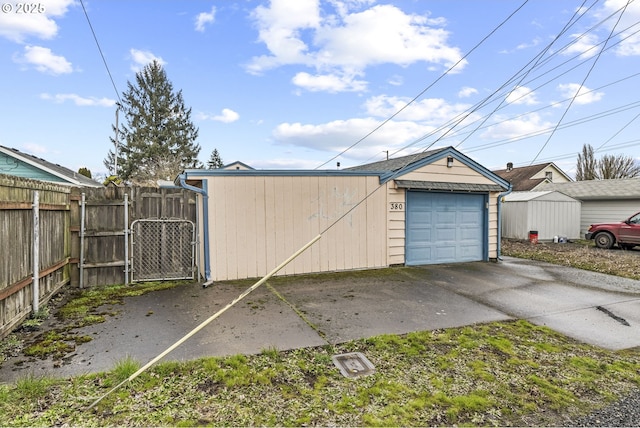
[{"x": 549, "y": 213}]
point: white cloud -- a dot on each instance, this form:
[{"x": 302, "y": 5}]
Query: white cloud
[
  {"x": 328, "y": 83},
  {"x": 396, "y": 80},
  {"x": 522, "y": 95},
  {"x": 143, "y": 58},
  {"x": 44, "y": 60},
  {"x": 466, "y": 92},
  {"x": 515, "y": 128},
  {"x": 434, "y": 111},
  {"x": 205, "y": 18},
  {"x": 346, "y": 43},
  {"x": 584, "y": 44},
  {"x": 585, "y": 95},
  {"x": 425, "y": 118},
  {"x": 339, "y": 134},
  {"x": 226, "y": 116},
  {"x": 78, "y": 100},
  {"x": 19, "y": 26},
  {"x": 630, "y": 45}
]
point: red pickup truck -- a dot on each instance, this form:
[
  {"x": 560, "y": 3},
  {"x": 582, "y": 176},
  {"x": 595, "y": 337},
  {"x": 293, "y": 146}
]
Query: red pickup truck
[{"x": 625, "y": 233}]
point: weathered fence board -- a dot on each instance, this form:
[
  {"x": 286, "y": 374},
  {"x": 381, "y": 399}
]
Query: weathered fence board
[
  {"x": 104, "y": 245},
  {"x": 16, "y": 246}
]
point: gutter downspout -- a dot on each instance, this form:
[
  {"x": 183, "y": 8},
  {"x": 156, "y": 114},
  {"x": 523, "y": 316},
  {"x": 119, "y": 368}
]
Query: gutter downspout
[
  {"x": 205, "y": 223},
  {"x": 500, "y": 196}
]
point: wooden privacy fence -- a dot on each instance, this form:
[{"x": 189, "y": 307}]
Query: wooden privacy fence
[
  {"x": 17, "y": 229},
  {"x": 57, "y": 211},
  {"x": 103, "y": 243}
]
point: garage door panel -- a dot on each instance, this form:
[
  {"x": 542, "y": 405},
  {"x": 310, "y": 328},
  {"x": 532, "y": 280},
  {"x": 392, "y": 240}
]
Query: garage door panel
[
  {"x": 445, "y": 253},
  {"x": 421, "y": 253},
  {"x": 421, "y": 235},
  {"x": 444, "y": 227},
  {"x": 470, "y": 235},
  {"x": 470, "y": 218}
]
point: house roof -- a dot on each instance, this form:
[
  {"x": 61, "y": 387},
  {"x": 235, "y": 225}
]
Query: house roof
[
  {"x": 64, "y": 175},
  {"x": 236, "y": 163},
  {"x": 385, "y": 170},
  {"x": 546, "y": 195},
  {"x": 520, "y": 178},
  {"x": 624, "y": 188},
  {"x": 395, "y": 164},
  {"x": 391, "y": 168}
]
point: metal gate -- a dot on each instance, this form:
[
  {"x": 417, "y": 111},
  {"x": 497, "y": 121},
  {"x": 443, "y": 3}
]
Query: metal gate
[{"x": 162, "y": 250}]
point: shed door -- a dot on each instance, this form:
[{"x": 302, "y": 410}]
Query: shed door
[{"x": 444, "y": 227}]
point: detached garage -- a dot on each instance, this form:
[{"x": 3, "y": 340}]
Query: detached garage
[
  {"x": 433, "y": 207},
  {"x": 549, "y": 213}
]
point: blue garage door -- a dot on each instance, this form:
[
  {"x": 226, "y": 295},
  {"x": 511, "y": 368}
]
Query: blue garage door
[{"x": 444, "y": 227}]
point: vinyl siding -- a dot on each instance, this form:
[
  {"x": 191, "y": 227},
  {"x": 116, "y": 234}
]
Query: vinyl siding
[{"x": 604, "y": 211}]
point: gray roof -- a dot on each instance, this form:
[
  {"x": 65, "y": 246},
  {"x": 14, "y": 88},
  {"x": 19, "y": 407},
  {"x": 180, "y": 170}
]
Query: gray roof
[
  {"x": 394, "y": 164},
  {"x": 70, "y": 176},
  {"x": 547, "y": 195},
  {"x": 448, "y": 186},
  {"x": 625, "y": 188}
]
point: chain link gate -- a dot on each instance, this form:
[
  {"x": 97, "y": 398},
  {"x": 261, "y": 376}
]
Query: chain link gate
[{"x": 162, "y": 249}]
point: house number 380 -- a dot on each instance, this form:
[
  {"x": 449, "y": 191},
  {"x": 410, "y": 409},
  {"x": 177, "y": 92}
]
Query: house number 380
[{"x": 396, "y": 206}]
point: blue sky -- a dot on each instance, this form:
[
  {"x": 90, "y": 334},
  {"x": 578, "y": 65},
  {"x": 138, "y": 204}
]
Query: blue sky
[{"x": 293, "y": 83}]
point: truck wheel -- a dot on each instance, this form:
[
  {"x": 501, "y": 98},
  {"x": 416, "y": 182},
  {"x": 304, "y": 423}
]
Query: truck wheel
[{"x": 604, "y": 240}]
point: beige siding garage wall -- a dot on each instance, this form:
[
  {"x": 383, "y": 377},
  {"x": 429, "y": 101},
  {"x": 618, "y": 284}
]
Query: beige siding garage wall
[
  {"x": 438, "y": 172},
  {"x": 256, "y": 222}
]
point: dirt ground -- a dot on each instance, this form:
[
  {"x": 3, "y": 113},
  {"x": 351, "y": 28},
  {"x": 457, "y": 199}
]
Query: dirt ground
[{"x": 579, "y": 254}]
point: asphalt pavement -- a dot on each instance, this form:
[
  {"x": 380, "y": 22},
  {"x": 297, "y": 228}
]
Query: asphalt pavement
[{"x": 296, "y": 312}]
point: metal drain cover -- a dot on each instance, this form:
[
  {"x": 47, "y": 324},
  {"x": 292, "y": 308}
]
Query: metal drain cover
[{"x": 353, "y": 364}]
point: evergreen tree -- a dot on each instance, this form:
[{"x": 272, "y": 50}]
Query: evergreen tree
[
  {"x": 157, "y": 140},
  {"x": 85, "y": 171},
  {"x": 215, "y": 161}
]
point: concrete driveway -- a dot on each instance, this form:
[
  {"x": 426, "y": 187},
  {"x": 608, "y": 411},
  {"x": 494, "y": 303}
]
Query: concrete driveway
[{"x": 295, "y": 312}]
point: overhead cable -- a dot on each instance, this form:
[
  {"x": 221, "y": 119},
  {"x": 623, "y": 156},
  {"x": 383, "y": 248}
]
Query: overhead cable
[
  {"x": 104, "y": 61},
  {"x": 427, "y": 88},
  {"x": 581, "y": 84}
]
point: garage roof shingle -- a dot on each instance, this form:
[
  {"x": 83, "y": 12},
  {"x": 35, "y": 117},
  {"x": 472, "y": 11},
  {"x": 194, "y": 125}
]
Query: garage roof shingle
[{"x": 624, "y": 188}]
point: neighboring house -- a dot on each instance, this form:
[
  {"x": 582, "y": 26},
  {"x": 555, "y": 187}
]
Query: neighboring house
[
  {"x": 602, "y": 200},
  {"x": 16, "y": 163},
  {"x": 549, "y": 213},
  {"x": 531, "y": 177},
  {"x": 237, "y": 165},
  {"x": 434, "y": 207}
]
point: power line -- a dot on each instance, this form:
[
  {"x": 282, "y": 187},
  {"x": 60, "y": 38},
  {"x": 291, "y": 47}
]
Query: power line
[
  {"x": 582, "y": 83},
  {"x": 538, "y": 58},
  {"x": 113, "y": 83},
  {"x": 428, "y": 87},
  {"x": 451, "y": 124}
]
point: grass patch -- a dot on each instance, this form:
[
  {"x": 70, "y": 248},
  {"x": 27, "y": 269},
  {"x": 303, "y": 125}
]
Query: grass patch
[{"x": 500, "y": 377}]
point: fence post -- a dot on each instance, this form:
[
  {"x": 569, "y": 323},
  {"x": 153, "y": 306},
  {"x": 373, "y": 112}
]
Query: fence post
[
  {"x": 81, "y": 259},
  {"x": 126, "y": 239},
  {"x": 36, "y": 252}
]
